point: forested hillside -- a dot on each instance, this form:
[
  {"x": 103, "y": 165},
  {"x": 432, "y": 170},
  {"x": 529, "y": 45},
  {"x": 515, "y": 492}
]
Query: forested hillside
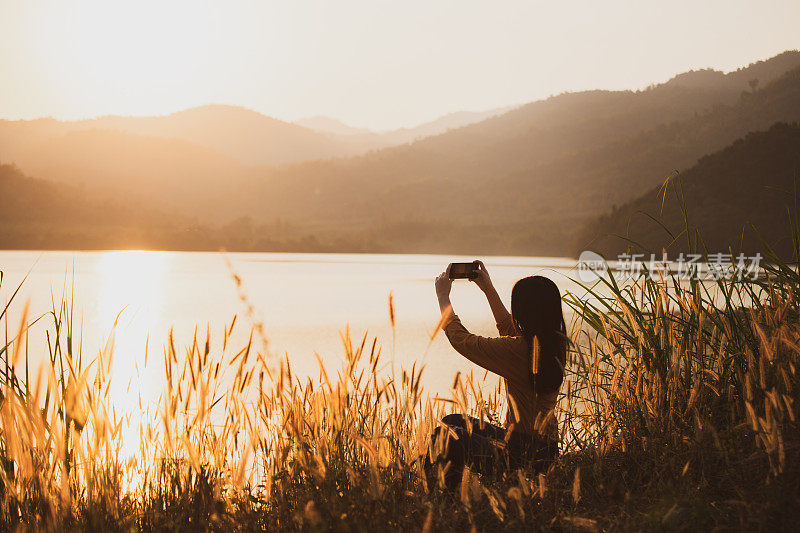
[
  {"x": 753, "y": 181},
  {"x": 43, "y": 215},
  {"x": 38, "y": 214},
  {"x": 525, "y": 181}
]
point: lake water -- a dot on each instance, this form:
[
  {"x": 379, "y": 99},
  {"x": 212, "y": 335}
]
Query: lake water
[{"x": 304, "y": 301}]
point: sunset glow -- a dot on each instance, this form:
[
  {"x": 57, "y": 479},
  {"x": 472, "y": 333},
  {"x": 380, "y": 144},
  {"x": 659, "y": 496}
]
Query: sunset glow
[
  {"x": 370, "y": 265},
  {"x": 296, "y": 59},
  {"x": 130, "y": 310}
]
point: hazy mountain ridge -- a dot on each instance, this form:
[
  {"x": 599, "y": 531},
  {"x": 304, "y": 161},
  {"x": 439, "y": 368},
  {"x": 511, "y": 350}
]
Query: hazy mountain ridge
[
  {"x": 238, "y": 132},
  {"x": 330, "y": 125},
  {"x": 246, "y": 135},
  {"x": 521, "y": 182},
  {"x": 763, "y": 71},
  {"x": 541, "y": 169},
  {"x": 368, "y": 140}
]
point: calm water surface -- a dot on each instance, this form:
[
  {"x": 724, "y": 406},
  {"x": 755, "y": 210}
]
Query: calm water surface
[{"x": 305, "y": 302}]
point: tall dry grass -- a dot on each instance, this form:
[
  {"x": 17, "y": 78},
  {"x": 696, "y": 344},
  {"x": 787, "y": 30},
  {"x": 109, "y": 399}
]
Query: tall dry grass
[{"x": 679, "y": 410}]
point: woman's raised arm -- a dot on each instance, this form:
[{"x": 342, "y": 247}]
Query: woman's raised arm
[
  {"x": 494, "y": 354},
  {"x": 501, "y": 315},
  {"x": 443, "y": 284}
]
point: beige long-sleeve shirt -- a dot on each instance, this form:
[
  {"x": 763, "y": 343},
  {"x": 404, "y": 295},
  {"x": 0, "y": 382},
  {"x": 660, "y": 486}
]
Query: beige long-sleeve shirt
[{"x": 509, "y": 357}]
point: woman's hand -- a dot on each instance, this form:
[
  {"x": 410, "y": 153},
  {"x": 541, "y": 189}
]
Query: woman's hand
[
  {"x": 443, "y": 284},
  {"x": 484, "y": 282},
  {"x": 482, "y": 279}
]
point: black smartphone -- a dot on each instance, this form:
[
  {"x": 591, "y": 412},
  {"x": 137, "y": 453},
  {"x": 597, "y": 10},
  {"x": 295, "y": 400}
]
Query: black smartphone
[{"x": 463, "y": 270}]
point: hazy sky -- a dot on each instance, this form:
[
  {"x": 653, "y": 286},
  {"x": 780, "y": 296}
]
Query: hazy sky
[{"x": 370, "y": 63}]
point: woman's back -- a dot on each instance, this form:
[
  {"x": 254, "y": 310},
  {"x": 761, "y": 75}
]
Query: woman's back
[{"x": 530, "y": 411}]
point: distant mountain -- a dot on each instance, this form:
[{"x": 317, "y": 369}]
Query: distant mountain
[
  {"x": 521, "y": 182},
  {"x": 331, "y": 125},
  {"x": 525, "y": 181},
  {"x": 370, "y": 140},
  {"x": 752, "y": 181},
  {"x": 237, "y": 132},
  {"x": 441, "y": 125},
  {"x": 250, "y": 137}
]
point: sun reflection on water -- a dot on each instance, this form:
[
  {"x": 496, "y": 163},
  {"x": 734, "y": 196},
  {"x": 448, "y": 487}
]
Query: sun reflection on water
[{"x": 130, "y": 312}]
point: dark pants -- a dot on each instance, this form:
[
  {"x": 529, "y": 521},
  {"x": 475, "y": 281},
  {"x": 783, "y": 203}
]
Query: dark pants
[{"x": 482, "y": 450}]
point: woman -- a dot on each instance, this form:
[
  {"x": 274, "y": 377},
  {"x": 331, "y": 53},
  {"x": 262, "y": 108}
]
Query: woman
[{"x": 530, "y": 355}]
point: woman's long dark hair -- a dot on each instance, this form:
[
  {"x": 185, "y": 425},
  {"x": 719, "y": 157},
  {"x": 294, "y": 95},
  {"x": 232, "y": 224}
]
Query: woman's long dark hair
[{"x": 537, "y": 314}]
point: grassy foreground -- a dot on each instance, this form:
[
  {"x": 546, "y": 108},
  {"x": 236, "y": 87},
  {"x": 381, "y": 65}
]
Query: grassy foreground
[{"x": 679, "y": 412}]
